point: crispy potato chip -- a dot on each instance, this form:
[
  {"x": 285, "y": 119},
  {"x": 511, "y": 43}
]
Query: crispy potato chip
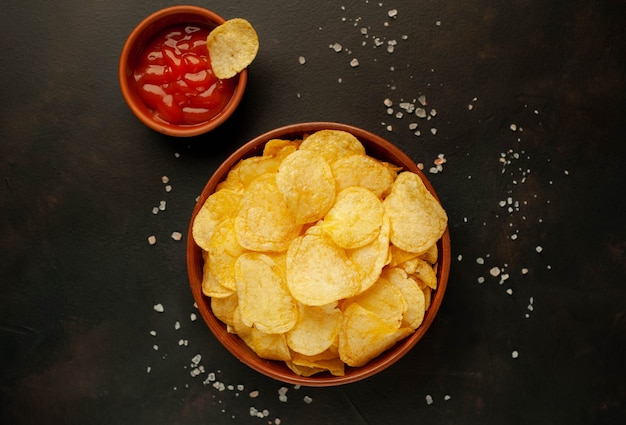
[
  {"x": 399, "y": 256},
  {"x": 385, "y": 300},
  {"x": 317, "y": 270},
  {"x": 431, "y": 255},
  {"x": 421, "y": 270},
  {"x": 224, "y": 308},
  {"x": 369, "y": 260},
  {"x": 307, "y": 184},
  {"x": 232, "y": 47},
  {"x": 316, "y": 364},
  {"x": 280, "y": 147},
  {"x": 267, "y": 346},
  {"x": 223, "y": 251},
  {"x": 264, "y": 301},
  {"x": 264, "y": 223},
  {"x": 211, "y": 287},
  {"x": 412, "y": 294},
  {"x": 316, "y": 329},
  {"x": 219, "y": 206},
  {"x": 355, "y": 218},
  {"x": 417, "y": 218},
  {"x": 364, "y": 336},
  {"x": 363, "y": 171},
  {"x": 333, "y": 144}
]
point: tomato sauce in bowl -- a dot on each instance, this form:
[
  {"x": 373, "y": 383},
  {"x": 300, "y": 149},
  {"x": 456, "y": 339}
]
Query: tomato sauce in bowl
[{"x": 174, "y": 78}]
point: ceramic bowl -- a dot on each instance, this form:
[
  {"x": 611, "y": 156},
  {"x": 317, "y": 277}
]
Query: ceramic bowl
[
  {"x": 133, "y": 47},
  {"x": 376, "y": 147}
]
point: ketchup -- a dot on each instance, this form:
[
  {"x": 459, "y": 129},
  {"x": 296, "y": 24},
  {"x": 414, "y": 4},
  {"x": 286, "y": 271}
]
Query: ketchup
[{"x": 174, "y": 77}]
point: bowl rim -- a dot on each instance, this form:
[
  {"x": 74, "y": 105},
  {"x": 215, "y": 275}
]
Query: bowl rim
[
  {"x": 275, "y": 369},
  {"x": 136, "y": 105}
]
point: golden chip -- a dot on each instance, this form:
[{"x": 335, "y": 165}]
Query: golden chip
[
  {"x": 385, "y": 300},
  {"x": 422, "y": 271},
  {"x": 279, "y": 147},
  {"x": 333, "y": 144},
  {"x": 363, "y": 171},
  {"x": 320, "y": 363},
  {"x": 223, "y": 251},
  {"x": 315, "y": 330},
  {"x": 364, "y": 336},
  {"x": 232, "y": 46},
  {"x": 355, "y": 218},
  {"x": 264, "y": 301},
  {"x": 307, "y": 184},
  {"x": 264, "y": 223},
  {"x": 417, "y": 218},
  {"x": 369, "y": 260},
  {"x": 211, "y": 287},
  {"x": 224, "y": 308},
  {"x": 318, "y": 272},
  {"x": 431, "y": 255},
  {"x": 267, "y": 346},
  {"x": 219, "y": 206},
  {"x": 412, "y": 294},
  {"x": 399, "y": 256}
]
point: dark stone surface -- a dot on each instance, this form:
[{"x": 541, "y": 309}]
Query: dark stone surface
[{"x": 80, "y": 176}]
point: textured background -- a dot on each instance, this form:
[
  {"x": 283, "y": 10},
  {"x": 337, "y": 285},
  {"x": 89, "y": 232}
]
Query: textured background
[{"x": 529, "y": 99}]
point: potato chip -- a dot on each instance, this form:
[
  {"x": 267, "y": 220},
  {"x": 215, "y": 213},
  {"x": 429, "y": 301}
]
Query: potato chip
[
  {"x": 369, "y": 260},
  {"x": 267, "y": 346},
  {"x": 412, "y": 294},
  {"x": 315, "y": 330},
  {"x": 224, "y": 308},
  {"x": 232, "y": 47},
  {"x": 280, "y": 147},
  {"x": 223, "y": 251},
  {"x": 385, "y": 300},
  {"x": 210, "y": 285},
  {"x": 219, "y": 206},
  {"x": 317, "y": 270},
  {"x": 355, "y": 218},
  {"x": 417, "y": 218},
  {"x": 307, "y": 184},
  {"x": 422, "y": 271},
  {"x": 264, "y": 223},
  {"x": 363, "y": 171},
  {"x": 364, "y": 336},
  {"x": 332, "y": 144},
  {"x": 431, "y": 255},
  {"x": 399, "y": 256},
  {"x": 264, "y": 301},
  {"x": 316, "y": 364}
]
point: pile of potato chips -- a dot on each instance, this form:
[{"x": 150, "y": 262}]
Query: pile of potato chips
[{"x": 319, "y": 255}]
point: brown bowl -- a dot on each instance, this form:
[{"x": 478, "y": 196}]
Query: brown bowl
[
  {"x": 376, "y": 147},
  {"x": 136, "y": 42}
]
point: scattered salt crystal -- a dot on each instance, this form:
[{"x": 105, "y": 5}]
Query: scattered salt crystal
[
  {"x": 515, "y": 354},
  {"x": 509, "y": 291},
  {"x": 211, "y": 377},
  {"x": 354, "y": 63},
  {"x": 438, "y": 23},
  {"x": 283, "y": 390},
  {"x": 302, "y": 60},
  {"x": 420, "y": 112},
  {"x": 168, "y": 188},
  {"x": 165, "y": 179},
  {"x": 459, "y": 257},
  {"x": 159, "y": 308},
  {"x": 155, "y": 347},
  {"x": 177, "y": 325},
  {"x": 433, "y": 112},
  {"x": 494, "y": 271},
  {"x": 153, "y": 333},
  {"x": 392, "y": 13},
  {"x": 538, "y": 248},
  {"x": 481, "y": 279},
  {"x": 470, "y": 107},
  {"x": 148, "y": 369},
  {"x": 429, "y": 399},
  {"x": 524, "y": 270},
  {"x": 155, "y": 210},
  {"x": 513, "y": 127},
  {"x": 422, "y": 100},
  {"x": 412, "y": 126},
  {"x": 254, "y": 394},
  {"x": 446, "y": 397},
  {"x": 196, "y": 359},
  {"x": 152, "y": 239},
  {"x": 336, "y": 47},
  {"x": 176, "y": 155},
  {"x": 433, "y": 130},
  {"x": 307, "y": 399},
  {"x": 177, "y": 236},
  {"x": 162, "y": 205},
  {"x": 282, "y": 398},
  {"x": 480, "y": 260},
  {"x": 387, "y": 102},
  {"x": 193, "y": 317}
]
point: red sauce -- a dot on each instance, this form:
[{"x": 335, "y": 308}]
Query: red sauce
[{"x": 174, "y": 77}]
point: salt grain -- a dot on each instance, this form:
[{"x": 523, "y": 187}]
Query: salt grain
[
  {"x": 193, "y": 317},
  {"x": 302, "y": 60},
  {"x": 152, "y": 239},
  {"x": 177, "y": 236},
  {"x": 253, "y": 394},
  {"x": 354, "y": 63},
  {"x": 538, "y": 249},
  {"x": 165, "y": 179},
  {"x": 446, "y": 397},
  {"x": 480, "y": 260},
  {"x": 515, "y": 354},
  {"x": 307, "y": 399},
  {"x": 494, "y": 271},
  {"x": 159, "y": 308},
  {"x": 392, "y": 13},
  {"x": 429, "y": 399},
  {"x": 177, "y": 325}
]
